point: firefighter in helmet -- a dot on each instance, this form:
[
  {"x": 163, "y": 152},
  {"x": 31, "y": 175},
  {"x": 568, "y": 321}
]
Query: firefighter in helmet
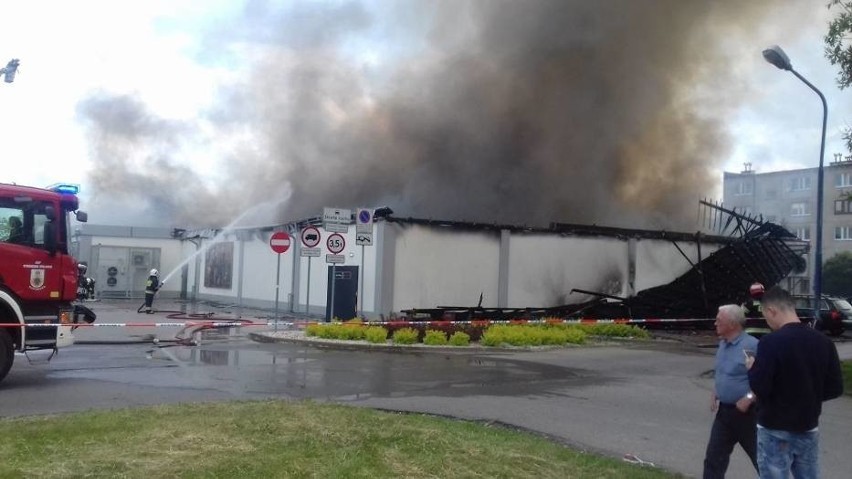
[
  {"x": 752, "y": 307},
  {"x": 151, "y": 286}
]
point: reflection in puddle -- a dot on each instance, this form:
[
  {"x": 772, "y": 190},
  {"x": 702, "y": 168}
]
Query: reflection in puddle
[
  {"x": 245, "y": 369},
  {"x": 354, "y": 375},
  {"x": 200, "y": 356}
]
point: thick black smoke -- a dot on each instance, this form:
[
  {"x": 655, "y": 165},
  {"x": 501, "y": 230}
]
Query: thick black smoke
[{"x": 607, "y": 112}]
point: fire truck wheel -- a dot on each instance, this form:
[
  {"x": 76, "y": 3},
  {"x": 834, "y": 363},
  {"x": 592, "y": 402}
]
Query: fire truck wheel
[{"x": 7, "y": 353}]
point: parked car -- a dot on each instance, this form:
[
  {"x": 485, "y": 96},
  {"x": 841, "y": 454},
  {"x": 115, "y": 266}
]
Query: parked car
[{"x": 834, "y": 316}]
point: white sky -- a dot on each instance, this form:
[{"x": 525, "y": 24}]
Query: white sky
[
  {"x": 150, "y": 49},
  {"x": 69, "y": 50}
]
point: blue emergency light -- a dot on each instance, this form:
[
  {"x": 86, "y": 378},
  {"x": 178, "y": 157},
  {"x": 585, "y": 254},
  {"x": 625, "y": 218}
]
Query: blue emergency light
[{"x": 66, "y": 188}]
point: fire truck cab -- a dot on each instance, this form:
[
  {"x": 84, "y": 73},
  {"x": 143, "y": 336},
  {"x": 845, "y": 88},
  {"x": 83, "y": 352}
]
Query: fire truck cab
[{"x": 38, "y": 276}]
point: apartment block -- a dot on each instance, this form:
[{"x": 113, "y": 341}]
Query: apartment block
[{"x": 789, "y": 198}]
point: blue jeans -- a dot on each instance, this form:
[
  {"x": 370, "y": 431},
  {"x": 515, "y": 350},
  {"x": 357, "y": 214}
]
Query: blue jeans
[{"x": 782, "y": 452}]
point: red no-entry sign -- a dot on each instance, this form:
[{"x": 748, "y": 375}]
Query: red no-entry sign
[{"x": 280, "y": 242}]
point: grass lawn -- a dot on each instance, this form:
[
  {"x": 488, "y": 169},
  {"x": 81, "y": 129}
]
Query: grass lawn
[
  {"x": 847, "y": 377},
  {"x": 285, "y": 439}
]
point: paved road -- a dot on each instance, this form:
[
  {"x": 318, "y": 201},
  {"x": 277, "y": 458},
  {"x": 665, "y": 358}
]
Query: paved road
[{"x": 649, "y": 400}]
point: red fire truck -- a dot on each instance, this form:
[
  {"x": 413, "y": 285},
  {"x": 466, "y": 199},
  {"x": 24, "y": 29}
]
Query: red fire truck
[{"x": 38, "y": 276}]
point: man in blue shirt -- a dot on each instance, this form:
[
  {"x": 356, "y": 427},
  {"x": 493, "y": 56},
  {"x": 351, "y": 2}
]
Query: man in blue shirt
[
  {"x": 796, "y": 369},
  {"x": 732, "y": 400}
]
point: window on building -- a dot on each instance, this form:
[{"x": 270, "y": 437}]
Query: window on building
[
  {"x": 843, "y": 207},
  {"x": 799, "y": 209},
  {"x": 800, "y": 183},
  {"x": 744, "y": 187},
  {"x": 803, "y": 233},
  {"x": 801, "y": 286},
  {"x": 843, "y": 233},
  {"x": 843, "y": 180}
]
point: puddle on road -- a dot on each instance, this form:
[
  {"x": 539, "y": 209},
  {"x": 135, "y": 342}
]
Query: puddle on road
[
  {"x": 226, "y": 361},
  {"x": 306, "y": 372}
]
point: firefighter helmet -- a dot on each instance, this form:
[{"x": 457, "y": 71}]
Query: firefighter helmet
[
  {"x": 156, "y": 273},
  {"x": 756, "y": 290}
]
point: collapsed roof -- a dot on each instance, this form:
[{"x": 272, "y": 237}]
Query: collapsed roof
[
  {"x": 755, "y": 251},
  {"x": 761, "y": 252}
]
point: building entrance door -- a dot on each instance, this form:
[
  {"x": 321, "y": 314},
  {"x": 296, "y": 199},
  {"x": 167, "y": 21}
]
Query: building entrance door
[{"x": 345, "y": 289}]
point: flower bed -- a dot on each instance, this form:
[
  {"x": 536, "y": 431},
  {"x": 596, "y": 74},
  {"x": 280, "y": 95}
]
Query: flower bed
[{"x": 442, "y": 333}]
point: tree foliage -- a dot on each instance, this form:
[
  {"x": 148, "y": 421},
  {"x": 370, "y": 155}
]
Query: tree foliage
[
  {"x": 837, "y": 275},
  {"x": 838, "y": 50}
]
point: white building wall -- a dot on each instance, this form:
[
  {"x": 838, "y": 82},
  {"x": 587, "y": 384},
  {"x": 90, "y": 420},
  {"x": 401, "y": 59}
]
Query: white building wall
[
  {"x": 658, "y": 262},
  {"x": 425, "y": 266},
  {"x": 543, "y": 268},
  {"x": 260, "y": 268},
  {"x": 444, "y": 268},
  {"x": 319, "y": 273},
  {"x": 171, "y": 254},
  {"x": 447, "y": 267},
  {"x": 188, "y": 254}
]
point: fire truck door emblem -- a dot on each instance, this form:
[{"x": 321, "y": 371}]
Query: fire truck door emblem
[{"x": 36, "y": 279}]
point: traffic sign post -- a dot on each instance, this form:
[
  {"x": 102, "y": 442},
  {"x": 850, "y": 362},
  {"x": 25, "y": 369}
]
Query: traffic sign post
[
  {"x": 335, "y": 244},
  {"x": 310, "y": 238},
  {"x": 280, "y": 243},
  {"x": 363, "y": 237},
  {"x": 336, "y": 219},
  {"x": 364, "y": 221}
]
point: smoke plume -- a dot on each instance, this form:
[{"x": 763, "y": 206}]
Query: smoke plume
[{"x": 608, "y": 112}]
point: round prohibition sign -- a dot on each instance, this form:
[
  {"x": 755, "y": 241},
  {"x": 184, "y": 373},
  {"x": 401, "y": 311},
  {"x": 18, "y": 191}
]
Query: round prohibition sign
[
  {"x": 310, "y": 237},
  {"x": 335, "y": 243},
  {"x": 280, "y": 242}
]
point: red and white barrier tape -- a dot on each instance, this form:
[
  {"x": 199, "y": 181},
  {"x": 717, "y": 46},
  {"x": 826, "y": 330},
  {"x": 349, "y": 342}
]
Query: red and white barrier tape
[
  {"x": 209, "y": 324},
  {"x": 483, "y": 322}
]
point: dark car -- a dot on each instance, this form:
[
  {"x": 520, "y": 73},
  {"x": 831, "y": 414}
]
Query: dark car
[{"x": 834, "y": 316}]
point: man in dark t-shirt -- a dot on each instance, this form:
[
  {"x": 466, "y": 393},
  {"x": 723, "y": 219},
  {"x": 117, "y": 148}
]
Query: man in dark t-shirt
[{"x": 795, "y": 370}]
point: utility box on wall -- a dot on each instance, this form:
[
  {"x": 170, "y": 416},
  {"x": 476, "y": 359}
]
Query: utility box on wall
[{"x": 121, "y": 271}]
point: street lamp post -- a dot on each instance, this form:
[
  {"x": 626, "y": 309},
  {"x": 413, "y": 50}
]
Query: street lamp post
[{"x": 776, "y": 56}]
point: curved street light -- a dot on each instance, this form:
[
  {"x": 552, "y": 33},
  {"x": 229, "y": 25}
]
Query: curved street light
[{"x": 776, "y": 56}]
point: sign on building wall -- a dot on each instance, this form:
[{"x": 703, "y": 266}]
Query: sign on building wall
[{"x": 219, "y": 265}]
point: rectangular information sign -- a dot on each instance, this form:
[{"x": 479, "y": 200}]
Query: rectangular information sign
[{"x": 335, "y": 258}]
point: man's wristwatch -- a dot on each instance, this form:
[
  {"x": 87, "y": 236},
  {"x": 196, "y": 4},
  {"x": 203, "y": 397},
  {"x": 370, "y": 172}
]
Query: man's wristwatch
[{"x": 750, "y": 396}]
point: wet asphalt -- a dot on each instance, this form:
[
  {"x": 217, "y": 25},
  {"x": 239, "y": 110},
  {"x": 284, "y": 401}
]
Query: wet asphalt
[{"x": 648, "y": 399}]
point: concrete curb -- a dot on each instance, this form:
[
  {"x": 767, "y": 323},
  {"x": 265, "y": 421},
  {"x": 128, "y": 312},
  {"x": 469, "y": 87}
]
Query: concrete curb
[
  {"x": 264, "y": 337},
  {"x": 267, "y": 337}
]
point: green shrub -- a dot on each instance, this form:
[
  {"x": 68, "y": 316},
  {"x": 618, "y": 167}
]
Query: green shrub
[
  {"x": 460, "y": 338},
  {"x": 575, "y": 336},
  {"x": 312, "y": 329},
  {"x": 353, "y": 331},
  {"x": 494, "y": 336},
  {"x": 532, "y": 335},
  {"x": 612, "y": 330},
  {"x": 336, "y": 331},
  {"x": 435, "y": 338},
  {"x": 376, "y": 334},
  {"x": 327, "y": 331},
  {"x": 405, "y": 336}
]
